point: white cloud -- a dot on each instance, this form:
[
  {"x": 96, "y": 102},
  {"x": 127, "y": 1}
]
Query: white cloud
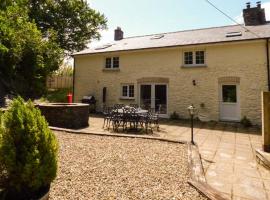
[
  {"x": 266, "y": 6},
  {"x": 106, "y": 37}
]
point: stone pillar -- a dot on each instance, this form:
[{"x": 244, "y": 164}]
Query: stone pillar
[{"x": 266, "y": 121}]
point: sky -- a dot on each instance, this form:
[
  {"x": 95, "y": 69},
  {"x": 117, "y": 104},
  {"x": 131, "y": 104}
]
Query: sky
[{"x": 142, "y": 17}]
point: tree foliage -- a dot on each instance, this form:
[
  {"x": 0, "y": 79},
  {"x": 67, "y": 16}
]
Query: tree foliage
[
  {"x": 28, "y": 149},
  {"x": 35, "y": 34},
  {"x": 73, "y": 20},
  {"x": 25, "y": 56}
]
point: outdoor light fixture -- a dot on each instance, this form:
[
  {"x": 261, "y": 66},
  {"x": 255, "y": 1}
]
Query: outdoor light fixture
[
  {"x": 194, "y": 82},
  {"x": 191, "y": 110}
]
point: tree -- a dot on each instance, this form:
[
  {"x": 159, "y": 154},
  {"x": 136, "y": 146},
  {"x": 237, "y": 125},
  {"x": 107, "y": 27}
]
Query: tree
[
  {"x": 35, "y": 34},
  {"x": 74, "y": 22},
  {"x": 25, "y": 56},
  {"x": 28, "y": 150}
]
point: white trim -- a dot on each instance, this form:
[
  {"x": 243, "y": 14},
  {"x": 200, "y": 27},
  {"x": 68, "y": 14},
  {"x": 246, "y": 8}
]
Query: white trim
[
  {"x": 128, "y": 94},
  {"x": 153, "y": 96},
  {"x": 237, "y": 118},
  {"x": 111, "y": 64},
  {"x": 194, "y": 58}
]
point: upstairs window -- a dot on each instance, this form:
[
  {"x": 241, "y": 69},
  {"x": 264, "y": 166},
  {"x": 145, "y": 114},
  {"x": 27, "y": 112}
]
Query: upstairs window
[
  {"x": 194, "y": 58},
  {"x": 199, "y": 57},
  {"x": 108, "y": 63},
  {"x": 112, "y": 62},
  {"x": 127, "y": 91},
  {"x": 115, "y": 62},
  {"x": 189, "y": 58}
]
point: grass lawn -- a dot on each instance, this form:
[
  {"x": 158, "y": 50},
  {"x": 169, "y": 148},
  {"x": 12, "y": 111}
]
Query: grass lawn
[{"x": 56, "y": 95}]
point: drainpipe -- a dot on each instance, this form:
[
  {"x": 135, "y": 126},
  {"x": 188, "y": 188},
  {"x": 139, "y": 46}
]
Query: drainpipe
[
  {"x": 268, "y": 65},
  {"x": 73, "y": 84}
]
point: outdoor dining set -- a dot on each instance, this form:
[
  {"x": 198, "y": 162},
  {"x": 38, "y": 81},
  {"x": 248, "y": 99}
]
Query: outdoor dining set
[{"x": 130, "y": 117}]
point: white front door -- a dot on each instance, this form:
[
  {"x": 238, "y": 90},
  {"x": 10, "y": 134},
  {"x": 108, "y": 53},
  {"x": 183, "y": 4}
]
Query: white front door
[
  {"x": 229, "y": 102},
  {"x": 154, "y": 96}
]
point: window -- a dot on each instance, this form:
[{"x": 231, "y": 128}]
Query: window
[
  {"x": 229, "y": 93},
  {"x": 194, "y": 58},
  {"x": 115, "y": 62},
  {"x": 199, "y": 57},
  {"x": 189, "y": 58},
  {"x": 128, "y": 91},
  {"x": 108, "y": 63},
  {"x": 112, "y": 62}
]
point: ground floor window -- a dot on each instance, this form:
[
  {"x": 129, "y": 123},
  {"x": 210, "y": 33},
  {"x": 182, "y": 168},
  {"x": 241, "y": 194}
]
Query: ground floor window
[{"x": 127, "y": 91}]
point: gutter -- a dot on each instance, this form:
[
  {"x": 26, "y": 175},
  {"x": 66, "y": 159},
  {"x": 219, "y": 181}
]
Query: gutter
[
  {"x": 267, "y": 63},
  {"x": 73, "y": 84}
]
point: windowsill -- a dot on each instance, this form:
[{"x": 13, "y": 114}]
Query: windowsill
[
  {"x": 127, "y": 98},
  {"x": 194, "y": 66},
  {"x": 111, "y": 69}
]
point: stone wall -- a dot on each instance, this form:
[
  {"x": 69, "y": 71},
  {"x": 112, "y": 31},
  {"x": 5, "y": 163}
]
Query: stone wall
[
  {"x": 73, "y": 116},
  {"x": 245, "y": 61}
]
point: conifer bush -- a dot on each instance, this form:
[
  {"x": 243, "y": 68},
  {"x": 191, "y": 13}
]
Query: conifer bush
[{"x": 28, "y": 149}]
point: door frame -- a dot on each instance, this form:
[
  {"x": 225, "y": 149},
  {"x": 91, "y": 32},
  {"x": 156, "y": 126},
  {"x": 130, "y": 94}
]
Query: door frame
[
  {"x": 153, "y": 96},
  {"x": 237, "y": 98}
]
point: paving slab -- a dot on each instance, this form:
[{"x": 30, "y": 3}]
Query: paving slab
[{"x": 227, "y": 151}]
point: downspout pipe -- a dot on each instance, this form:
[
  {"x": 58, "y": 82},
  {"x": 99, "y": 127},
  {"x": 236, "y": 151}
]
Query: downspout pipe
[
  {"x": 73, "y": 84},
  {"x": 267, "y": 63}
]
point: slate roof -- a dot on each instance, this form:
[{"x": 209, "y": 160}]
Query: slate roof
[{"x": 182, "y": 38}]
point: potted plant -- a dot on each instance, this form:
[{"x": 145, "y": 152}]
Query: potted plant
[{"x": 28, "y": 152}]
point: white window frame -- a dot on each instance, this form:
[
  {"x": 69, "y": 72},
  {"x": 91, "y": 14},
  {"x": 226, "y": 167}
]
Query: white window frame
[
  {"x": 194, "y": 64},
  {"x": 111, "y": 61},
  {"x": 128, "y": 91}
]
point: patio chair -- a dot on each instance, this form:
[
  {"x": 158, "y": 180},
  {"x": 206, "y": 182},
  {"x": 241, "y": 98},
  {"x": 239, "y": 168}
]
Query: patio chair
[
  {"x": 133, "y": 118},
  {"x": 118, "y": 106},
  {"x": 107, "y": 114},
  {"x": 154, "y": 117},
  {"x": 134, "y": 105},
  {"x": 116, "y": 119}
]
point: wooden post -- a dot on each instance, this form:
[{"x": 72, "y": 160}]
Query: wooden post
[{"x": 266, "y": 121}]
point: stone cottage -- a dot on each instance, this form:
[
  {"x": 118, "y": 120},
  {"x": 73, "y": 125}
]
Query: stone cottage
[{"x": 220, "y": 70}]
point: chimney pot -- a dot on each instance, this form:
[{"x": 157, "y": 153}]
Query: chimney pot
[
  {"x": 254, "y": 15},
  {"x": 118, "y": 34},
  {"x": 259, "y": 4}
]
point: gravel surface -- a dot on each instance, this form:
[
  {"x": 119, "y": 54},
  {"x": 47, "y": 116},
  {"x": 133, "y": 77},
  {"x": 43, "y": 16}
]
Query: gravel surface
[{"x": 103, "y": 167}]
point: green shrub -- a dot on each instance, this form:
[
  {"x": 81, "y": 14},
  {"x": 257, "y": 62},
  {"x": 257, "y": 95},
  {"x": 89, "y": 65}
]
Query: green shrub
[
  {"x": 28, "y": 149},
  {"x": 245, "y": 122},
  {"x": 174, "y": 116}
]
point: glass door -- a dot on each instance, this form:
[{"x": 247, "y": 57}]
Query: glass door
[
  {"x": 161, "y": 99},
  {"x": 145, "y": 96},
  {"x": 229, "y": 102},
  {"x": 154, "y": 96}
]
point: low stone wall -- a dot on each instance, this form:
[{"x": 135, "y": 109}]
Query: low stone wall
[{"x": 64, "y": 115}]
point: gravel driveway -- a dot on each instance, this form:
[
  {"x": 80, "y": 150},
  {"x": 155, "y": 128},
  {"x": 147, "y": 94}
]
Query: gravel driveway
[{"x": 103, "y": 167}]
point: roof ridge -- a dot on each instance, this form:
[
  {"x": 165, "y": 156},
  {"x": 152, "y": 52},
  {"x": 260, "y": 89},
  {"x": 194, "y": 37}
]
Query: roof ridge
[{"x": 187, "y": 30}]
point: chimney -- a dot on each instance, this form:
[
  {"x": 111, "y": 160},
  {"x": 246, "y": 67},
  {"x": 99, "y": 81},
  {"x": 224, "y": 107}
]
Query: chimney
[
  {"x": 259, "y": 5},
  {"x": 254, "y": 15},
  {"x": 118, "y": 34}
]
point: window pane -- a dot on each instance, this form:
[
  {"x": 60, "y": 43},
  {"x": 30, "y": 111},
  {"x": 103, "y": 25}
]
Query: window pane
[
  {"x": 229, "y": 93},
  {"x": 131, "y": 90},
  {"x": 108, "y": 63},
  {"x": 199, "y": 57},
  {"x": 115, "y": 62},
  {"x": 124, "y": 91},
  {"x": 188, "y": 56}
]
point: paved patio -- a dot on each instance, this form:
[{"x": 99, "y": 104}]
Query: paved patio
[{"x": 228, "y": 155}]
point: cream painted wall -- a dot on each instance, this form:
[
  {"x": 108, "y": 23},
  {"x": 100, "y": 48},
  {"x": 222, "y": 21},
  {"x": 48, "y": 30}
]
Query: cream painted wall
[{"x": 246, "y": 60}]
